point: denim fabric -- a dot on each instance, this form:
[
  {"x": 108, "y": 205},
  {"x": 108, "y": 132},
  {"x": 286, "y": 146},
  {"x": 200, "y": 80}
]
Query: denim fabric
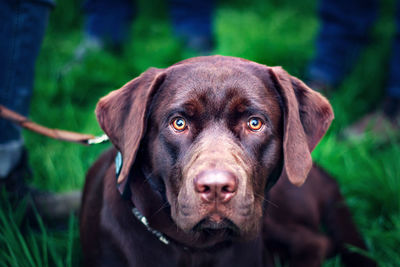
[
  {"x": 109, "y": 20},
  {"x": 22, "y": 28},
  {"x": 192, "y": 19},
  {"x": 345, "y": 26},
  {"x": 393, "y": 88}
]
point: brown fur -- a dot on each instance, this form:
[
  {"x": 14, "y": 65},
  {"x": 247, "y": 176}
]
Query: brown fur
[
  {"x": 161, "y": 166},
  {"x": 292, "y": 224}
]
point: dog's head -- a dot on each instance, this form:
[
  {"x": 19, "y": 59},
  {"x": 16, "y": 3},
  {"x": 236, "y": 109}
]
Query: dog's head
[{"x": 210, "y": 134}]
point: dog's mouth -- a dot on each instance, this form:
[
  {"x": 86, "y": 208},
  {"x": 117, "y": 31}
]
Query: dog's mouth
[{"x": 209, "y": 227}]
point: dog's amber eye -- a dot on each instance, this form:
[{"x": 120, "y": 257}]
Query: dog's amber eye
[
  {"x": 255, "y": 124},
  {"x": 179, "y": 124}
]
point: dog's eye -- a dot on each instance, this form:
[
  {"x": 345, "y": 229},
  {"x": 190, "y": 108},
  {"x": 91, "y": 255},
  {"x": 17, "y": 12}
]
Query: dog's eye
[
  {"x": 255, "y": 124},
  {"x": 179, "y": 124}
]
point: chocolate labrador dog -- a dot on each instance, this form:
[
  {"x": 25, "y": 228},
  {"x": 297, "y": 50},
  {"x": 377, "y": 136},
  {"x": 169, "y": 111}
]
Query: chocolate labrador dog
[{"x": 197, "y": 147}]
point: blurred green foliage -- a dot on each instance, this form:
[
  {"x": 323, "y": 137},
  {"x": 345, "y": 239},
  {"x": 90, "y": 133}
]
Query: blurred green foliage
[{"x": 272, "y": 32}]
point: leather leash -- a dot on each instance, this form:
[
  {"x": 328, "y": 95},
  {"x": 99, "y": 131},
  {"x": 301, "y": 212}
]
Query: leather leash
[{"x": 83, "y": 139}]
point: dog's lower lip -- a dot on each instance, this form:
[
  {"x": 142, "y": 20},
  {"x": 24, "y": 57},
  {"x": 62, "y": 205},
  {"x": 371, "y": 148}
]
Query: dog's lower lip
[
  {"x": 207, "y": 225},
  {"x": 214, "y": 225}
]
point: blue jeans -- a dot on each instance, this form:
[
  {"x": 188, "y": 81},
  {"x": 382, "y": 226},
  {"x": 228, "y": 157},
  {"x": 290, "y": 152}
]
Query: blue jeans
[
  {"x": 109, "y": 20},
  {"x": 345, "y": 27},
  {"x": 22, "y": 28}
]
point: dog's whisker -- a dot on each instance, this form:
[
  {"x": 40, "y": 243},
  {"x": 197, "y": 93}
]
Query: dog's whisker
[
  {"x": 267, "y": 200},
  {"x": 163, "y": 206}
]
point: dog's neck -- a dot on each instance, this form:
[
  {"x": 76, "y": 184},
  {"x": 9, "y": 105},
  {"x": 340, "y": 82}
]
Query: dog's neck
[{"x": 145, "y": 222}]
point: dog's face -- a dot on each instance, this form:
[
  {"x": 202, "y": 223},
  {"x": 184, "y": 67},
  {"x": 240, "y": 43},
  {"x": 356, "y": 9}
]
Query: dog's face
[
  {"x": 214, "y": 137},
  {"x": 210, "y": 133}
]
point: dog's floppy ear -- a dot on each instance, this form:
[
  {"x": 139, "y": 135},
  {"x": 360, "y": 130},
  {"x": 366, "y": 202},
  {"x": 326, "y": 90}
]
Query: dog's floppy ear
[
  {"x": 122, "y": 116},
  {"x": 307, "y": 116}
]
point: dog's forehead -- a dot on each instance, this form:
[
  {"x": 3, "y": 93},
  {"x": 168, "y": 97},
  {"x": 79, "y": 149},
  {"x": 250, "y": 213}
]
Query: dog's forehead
[
  {"x": 215, "y": 85},
  {"x": 212, "y": 78}
]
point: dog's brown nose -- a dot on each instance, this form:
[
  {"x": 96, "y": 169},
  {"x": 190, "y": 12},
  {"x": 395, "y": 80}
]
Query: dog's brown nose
[{"x": 216, "y": 185}]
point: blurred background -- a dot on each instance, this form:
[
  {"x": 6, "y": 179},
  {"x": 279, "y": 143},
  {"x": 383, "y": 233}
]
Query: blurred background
[{"x": 69, "y": 82}]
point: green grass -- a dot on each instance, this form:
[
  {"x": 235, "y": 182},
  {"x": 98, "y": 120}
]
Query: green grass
[
  {"x": 274, "y": 32},
  {"x": 38, "y": 247}
]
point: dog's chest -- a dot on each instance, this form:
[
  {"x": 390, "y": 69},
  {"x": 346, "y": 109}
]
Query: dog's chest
[{"x": 236, "y": 255}]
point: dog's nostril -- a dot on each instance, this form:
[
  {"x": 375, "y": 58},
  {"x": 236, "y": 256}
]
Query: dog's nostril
[
  {"x": 227, "y": 189},
  {"x": 204, "y": 189},
  {"x": 215, "y": 185}
]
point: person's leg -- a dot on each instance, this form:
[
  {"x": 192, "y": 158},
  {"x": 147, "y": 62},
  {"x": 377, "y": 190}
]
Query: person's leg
[
  {"x": 21, "y": 33},
  {"x": 344, "y": 30},
  {"x": 22, "y": 27},
  {"x": 392, "y": 105},
  {"x": 385, "y": 119},
  {"x": 108, "y": 21},
  {"x": 193, "y": 23}
]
